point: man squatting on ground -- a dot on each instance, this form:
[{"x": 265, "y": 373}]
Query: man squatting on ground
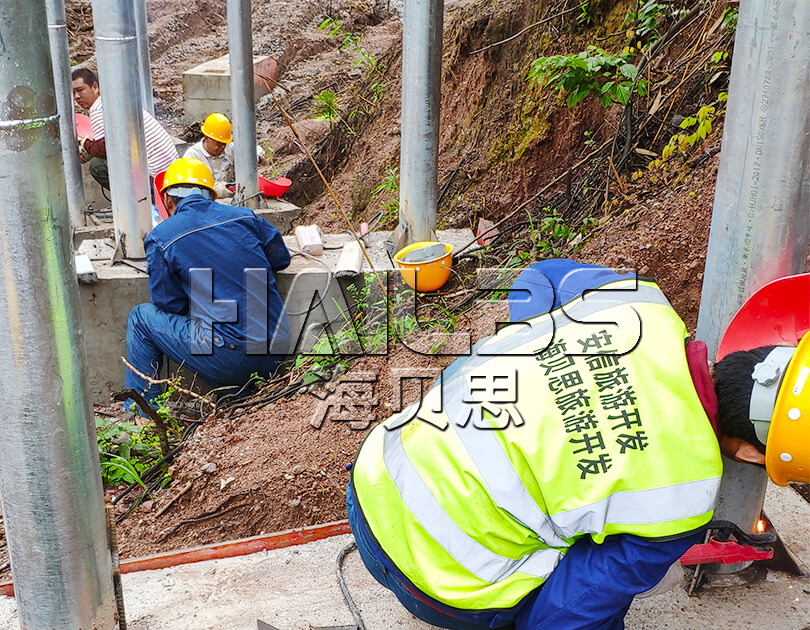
[
  {"x": 216, "y": 151},
  {"x": 555, "y": 511},
  {"x": 199, "y": 260},
  {"x": 160, "y": 149}
]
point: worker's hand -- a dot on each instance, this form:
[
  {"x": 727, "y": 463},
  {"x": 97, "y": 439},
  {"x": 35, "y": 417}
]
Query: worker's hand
[
  {"x": 740, "y": 450},
  {"x": 84, "y": 156},
  {"x": 222, "y": 191}
]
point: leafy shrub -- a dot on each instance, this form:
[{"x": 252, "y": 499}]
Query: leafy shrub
[{"x": 590, "y": 72}]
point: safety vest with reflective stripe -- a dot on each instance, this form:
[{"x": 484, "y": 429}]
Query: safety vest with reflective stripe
[{"x": 523, "y": 447}]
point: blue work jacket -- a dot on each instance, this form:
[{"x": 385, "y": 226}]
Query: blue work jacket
[{"x": 228, "y": 240}]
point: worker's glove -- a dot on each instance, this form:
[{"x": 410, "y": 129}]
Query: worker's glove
[
  {"x": 222, "y": 190},
  {"x": 84, "y": 155}
]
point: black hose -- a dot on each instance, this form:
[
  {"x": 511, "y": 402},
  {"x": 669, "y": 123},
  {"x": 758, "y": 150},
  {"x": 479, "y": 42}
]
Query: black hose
[{"x": 358, "y": 620}]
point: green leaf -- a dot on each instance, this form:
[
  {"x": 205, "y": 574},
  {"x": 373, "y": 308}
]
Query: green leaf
[
  {"x": 311, "y": 377},
  {"x": 578, "y": 62},
  {"x": 576, "y": 96},
  {"x": 622, "y": 94},
  {"x": 628, "y": 70}
]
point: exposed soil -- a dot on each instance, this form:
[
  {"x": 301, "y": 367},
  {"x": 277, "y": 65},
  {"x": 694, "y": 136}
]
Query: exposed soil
[{"x": 503, "y": 140}]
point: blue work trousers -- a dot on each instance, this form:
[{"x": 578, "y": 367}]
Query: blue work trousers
[{"x": 153, "y": 333}]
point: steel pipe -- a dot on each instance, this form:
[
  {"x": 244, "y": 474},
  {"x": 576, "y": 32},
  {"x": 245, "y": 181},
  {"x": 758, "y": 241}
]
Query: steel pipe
[
  {"x": 760, "y": 220},
  {"x": 117, "y": 53},
  {"x": 53, "y": 503},
  {"x": 240, "y": 51},
  {"x": 144, "y": 65},
  {"x": 421, "y": 100},
  {"x": 60, "y": 57}
]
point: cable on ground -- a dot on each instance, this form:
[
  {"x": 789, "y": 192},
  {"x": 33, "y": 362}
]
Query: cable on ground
[{"x": 345, "y": 589}]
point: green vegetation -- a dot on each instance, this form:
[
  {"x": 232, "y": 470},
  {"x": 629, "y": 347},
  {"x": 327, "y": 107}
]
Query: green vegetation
[
  {"x": 644, "y": 27},
  {"x": 349, "y": 42},
  {"x": 730, "y": 16},
  {"x": 326, "y": 103},
  {"x": 682, "y": 143},
  {"x": 390, "y": 187},
  {"x": 365, "y": 331},
  {"x": 584, "y": 16},
  {"x": 326, "y": 108},
  {"x": 611, "y": 78},
  {"x": 128, "y": 449}
]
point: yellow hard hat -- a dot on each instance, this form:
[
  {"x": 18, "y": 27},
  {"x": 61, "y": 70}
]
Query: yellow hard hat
[
  {"x": 787, "y": 453},
  {"x": 425, "y": 266},
  {"x": 190, "y": 171},
  {"x": 777, "y": 314},
  {"x": 217, "y": 127}
]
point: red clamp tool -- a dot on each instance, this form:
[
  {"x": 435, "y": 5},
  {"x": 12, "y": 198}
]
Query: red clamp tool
[{"x": 721, "y": 550}]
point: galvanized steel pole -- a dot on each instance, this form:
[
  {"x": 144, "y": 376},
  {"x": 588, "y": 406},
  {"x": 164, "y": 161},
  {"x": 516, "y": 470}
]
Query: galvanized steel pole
[
  {"x": 240, "y": 51},
  {"x": 144, "y": 65},
  {"x": 60, "y": 57},
  {"x": 421, "y": 99},
  {"x": 53, "y": 503},
  {"x": 117, "y": 52},
  {"x": 761, "y": 218}
]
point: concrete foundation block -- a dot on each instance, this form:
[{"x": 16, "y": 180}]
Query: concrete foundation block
[
  {"x": 105, "y": 308},
  {"x": 106, "y": 304},
  {"x": 281, "y": 214},
  {"x": 207, "y": 87}
]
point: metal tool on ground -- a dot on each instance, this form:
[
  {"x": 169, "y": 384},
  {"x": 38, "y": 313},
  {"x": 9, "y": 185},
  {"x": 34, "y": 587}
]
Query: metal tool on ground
[
  {"x": 764, "y": 547},
  {"x": 719, "y": 549},
  {"x": 425, "y": 266}
]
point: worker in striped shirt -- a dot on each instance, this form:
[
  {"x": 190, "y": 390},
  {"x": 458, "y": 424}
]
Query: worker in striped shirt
[{"x": 160, "y": 149}]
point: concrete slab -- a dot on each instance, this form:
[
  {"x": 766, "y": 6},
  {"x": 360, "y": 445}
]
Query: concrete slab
[
  {"x": 105, "y": 308},
  {"x": 106, "y": 304},
  {"x": 296, "y": 588},
  {"x": 207, "y": 87},
  {"x": 306, "y": 276}
]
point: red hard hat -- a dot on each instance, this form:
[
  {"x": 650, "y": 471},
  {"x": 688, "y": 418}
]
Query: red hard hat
[{"x": 778, "y": 314}]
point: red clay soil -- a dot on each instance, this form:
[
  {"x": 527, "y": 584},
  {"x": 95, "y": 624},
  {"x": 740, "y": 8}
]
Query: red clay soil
[{"x": 283, "y": 471}]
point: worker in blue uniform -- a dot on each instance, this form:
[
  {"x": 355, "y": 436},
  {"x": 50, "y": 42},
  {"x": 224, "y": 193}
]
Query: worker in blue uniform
[
  {"x": 215, "y": 307},
  {"x": 586, "y": 496}
]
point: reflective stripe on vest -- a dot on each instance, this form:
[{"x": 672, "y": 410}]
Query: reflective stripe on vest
[
  {"x": 477, "y": 559},
  {"x": 526, "y": 505}
]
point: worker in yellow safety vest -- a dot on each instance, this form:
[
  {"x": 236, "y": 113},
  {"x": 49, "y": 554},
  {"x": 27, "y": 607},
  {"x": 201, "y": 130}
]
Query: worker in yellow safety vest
[{"x": 564, "y": 467}]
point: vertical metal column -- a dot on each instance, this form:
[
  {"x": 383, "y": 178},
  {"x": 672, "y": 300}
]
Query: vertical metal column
[
  {"x": 761, "y": 216},
  {"x": 144, "y": 65},
  {"x": 117, "y": 53},
  {"x": 53, "y": 503},
  {"x": 60, "y": 56},
  {"x": 421, "y": 99},
  {"x": 240, "y": 51}
]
